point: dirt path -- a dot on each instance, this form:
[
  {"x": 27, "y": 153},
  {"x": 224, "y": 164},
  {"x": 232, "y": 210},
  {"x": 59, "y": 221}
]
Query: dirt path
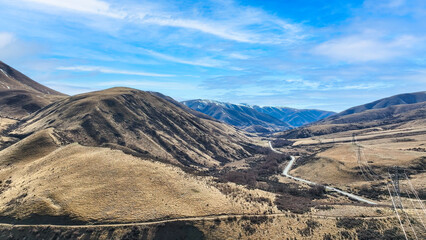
[{"x": 210, "y": 218}]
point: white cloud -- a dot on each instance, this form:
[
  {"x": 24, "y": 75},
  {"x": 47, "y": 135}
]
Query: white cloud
[
  {"x": 14, "y": 49},
  {"x": 364, "y": 48},
  {"x": 236, "y": 23},
  {"x": 5, "y": 39},
  {"x": 87, "y": 6},
  {"x": 395, "y": 3},
  {"x": 366, "y": 86},
  {"x": 239, "y": 56},
  {"x": 112, "y": 71},
  {"x": 202, "y": 26},
  {"x": 301, "y": 83},
  {"x": 148, "y": 84},
  {"x": 204, "y": 62}
]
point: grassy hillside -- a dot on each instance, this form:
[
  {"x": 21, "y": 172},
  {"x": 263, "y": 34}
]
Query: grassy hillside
[
  {"x": 143, "y": 124},
  {"x": 41, "y": 178}
]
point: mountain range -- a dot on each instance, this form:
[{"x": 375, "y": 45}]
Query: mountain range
[{"x": 256, "y": 118}]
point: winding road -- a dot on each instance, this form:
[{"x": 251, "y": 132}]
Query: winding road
[{"x": 290, "y": 165}]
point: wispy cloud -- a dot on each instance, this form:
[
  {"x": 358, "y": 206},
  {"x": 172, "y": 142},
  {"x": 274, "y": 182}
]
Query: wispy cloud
[
  {"x": 147, "y": 84},
  {"x": 204, "y": 62},
  {"x": 214, "y": 29},
  {"x": 273, "y": 49},
  {"x": 111, "y": 71},
  {"x": 365, "y": 86},
  {"x": 85, "y": 6},
  {"x": 238, "y": 23},
  {"x": 5, "y": 39},
  {"x": 239, "y": 56},
  {"x": 14, "y": 49},
  {"x": 360, "y": 48}
]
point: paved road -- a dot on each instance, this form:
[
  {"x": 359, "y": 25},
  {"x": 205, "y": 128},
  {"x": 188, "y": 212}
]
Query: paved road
[{"x": 290, "y": 165}]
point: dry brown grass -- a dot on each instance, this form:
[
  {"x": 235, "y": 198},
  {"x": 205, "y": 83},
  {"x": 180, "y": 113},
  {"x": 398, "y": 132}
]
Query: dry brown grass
[
  {"x": 104, "y": 185},
  {"x": 17, "y": 104},
  {"x": 140, "y": 122},
  {"x": 5, "y": 122},
  {"x": 241, "y": 227},
  {"x": 380, "y": 150}
]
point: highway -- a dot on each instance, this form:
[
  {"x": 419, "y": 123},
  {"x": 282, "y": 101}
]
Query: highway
[{"x": 290, "y": 165}]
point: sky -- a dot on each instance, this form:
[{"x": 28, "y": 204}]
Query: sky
[{"x": 328, "y": 55}]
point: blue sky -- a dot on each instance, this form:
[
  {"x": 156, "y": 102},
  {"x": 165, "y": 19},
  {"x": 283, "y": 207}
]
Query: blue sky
[{"x": 305, "y": 54}]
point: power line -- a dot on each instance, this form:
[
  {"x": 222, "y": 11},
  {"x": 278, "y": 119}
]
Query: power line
[
  {"x": 395, "y": 185},
  {"x": 415, "y": 209},
  {"x": 415, "y": 193},
  {"x": 396, "y": 211}
]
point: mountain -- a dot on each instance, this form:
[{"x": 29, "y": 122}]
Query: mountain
[
  {"x": 255, "y": 118},
  {"x": 20, "y": 95},
  {"x": 12, "y": 79},
  {"x": 408, "y": 108},
  {"x": 241, "y": 116},
  {"x": 183, "y": 106},
  {"x": 295, "y": 117},
  {"x": 140, "y": 123},
  {"x": 401, "y": 99}
]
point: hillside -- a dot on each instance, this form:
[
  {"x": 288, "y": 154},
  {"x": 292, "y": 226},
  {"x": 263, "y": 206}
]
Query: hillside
[
  {"x": 44, "y": 181},
  {"x": 20, "y": 95},
  {"x": 404, "y": 109},
  {"x": 142, "y": 124},
  {"x": 16, "y": 104},
  {"x": 12, "y": 79},
  {"x": 401, "y": 99}
]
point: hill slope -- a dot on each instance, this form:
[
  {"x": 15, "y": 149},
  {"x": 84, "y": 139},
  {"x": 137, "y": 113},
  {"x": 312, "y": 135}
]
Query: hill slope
[
  {"x": 12, "y": 79},
  {"x": 403, "y": 109},
  {"x": 141, "y": 123},
  {"x": 401, "y": 99},
  {"x": 20, "y": 95},
  {"x": 41, "y": 179}
]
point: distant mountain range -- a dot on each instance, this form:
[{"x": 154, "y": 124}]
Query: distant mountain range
[
  {"x": 295, "y": 117},
  {"x": 256, "y": 118}
]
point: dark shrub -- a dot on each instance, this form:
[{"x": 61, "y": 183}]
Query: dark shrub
[
  {"x": 317, "y": 191},
  {"x": 349, "y": 223},
  {"x": 368, "y": 234}
]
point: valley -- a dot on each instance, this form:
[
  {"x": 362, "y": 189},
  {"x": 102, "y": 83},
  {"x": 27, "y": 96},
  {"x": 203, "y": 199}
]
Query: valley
[{"x": 122, "y": 163}]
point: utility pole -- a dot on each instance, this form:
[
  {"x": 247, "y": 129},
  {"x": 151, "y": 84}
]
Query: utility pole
[{"x": 395, "y": 181}]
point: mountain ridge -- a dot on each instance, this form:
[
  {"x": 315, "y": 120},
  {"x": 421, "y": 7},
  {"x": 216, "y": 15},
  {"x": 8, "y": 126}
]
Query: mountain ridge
[
  {"x": 239, "y": 115},
  {"x": 254, "y": 118},
  {"x": 139, "y": 122},
  {"x": 12, "y": 79}
]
